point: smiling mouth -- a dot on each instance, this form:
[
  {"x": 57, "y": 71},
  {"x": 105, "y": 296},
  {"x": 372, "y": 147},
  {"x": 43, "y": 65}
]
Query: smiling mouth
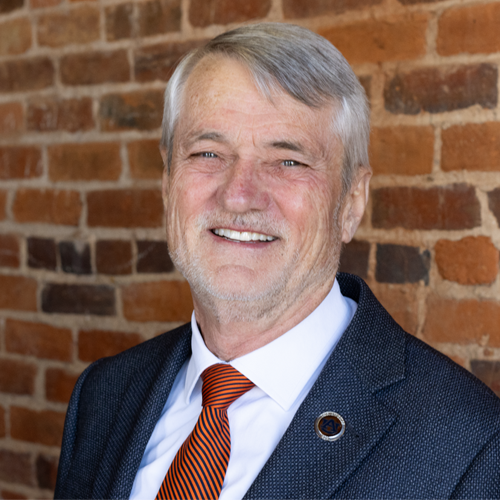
[{"x": 245, "y": 236}]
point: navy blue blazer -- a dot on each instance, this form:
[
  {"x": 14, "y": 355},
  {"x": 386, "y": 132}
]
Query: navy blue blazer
[{"x": 417, "y": 424}]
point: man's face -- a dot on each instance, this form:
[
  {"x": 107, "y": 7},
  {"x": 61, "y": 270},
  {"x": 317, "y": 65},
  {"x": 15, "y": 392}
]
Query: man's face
[{"x": 253, "y": 195}]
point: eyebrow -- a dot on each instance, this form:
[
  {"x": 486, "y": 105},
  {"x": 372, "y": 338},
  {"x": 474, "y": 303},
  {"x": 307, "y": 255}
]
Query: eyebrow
[
  {"x": 207, "y": 136},
  {"x": 291, "y": 146}
]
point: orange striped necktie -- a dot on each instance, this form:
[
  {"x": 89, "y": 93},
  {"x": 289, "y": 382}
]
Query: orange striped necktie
[{"x": 199, "y": 468}]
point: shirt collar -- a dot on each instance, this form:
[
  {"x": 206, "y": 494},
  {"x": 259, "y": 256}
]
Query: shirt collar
[{"x": 284, "y": 366}]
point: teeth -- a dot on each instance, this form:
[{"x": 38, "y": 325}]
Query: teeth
[{"x": 243, "y": 236}]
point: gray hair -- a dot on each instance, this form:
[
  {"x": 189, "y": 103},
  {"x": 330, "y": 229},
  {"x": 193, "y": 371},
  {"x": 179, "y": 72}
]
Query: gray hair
[{"x": 290, "y": 58}]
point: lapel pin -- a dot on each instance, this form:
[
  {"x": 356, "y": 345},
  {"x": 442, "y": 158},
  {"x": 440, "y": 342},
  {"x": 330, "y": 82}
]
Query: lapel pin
[{"x": 329, "y": 426}]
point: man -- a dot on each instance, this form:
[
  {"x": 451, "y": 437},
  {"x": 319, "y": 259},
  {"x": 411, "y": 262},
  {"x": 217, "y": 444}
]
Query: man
[{"x": 265, "y": 146}]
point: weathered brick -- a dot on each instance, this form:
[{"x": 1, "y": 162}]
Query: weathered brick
[
  {"x": 299, "y": 9},
  {"x": 75, "y": 257},
  {"x": 92, "y": 68},
  {"x": 17, "y": 292},
  {"x": 203, "y": 13},
  {"x": 3, "y": 202},
  {"x": 44, "y": 427},
  {"x": 488, "y": 372},
  {"x": 11, "y": 495},
  {"x": 354, "y": 258},
  {"x": 472, "y": 30},
  {"x": 113, "y": 257},
  {"x": 469, "y": 261},
  {"x": 16, "y": 468},
  {"x": 152, "y": 257},
  {"x": 11, "y": 118},
  {"x": 136, "y": 110},
  {"x": 145, "y": 159},
  {"x": 17, "y": 377},
  {"x": 125, "y": 208},
  {"x": 157, "y": 301},
  {"x": 48, "y": 206},
  {"x": 494, "y": 203},
  {"x": 20, "y": 162},
  {"x": 2, "y": 421},
  {"x": 10, "y": 5},
  {"x": 159, "y": 16},
  {"x": 59, "y": 384},
  {"x": 157, "y": 62},
  {"x": 46, "y": 471},
  {"x": 42, "y": 253},
  {"x": 392, "y": 39},
  {"x": 78, "y": 25},
  {"x": 9, "y": 250},
  {"x": 445, "y": 207},
  {"x": 401, "y": 264},
  {"x": 119, "y": 21},
  {"x": 95, "y": 344},
  {"x": 462, "y": 321},
  {"x": 78, "y": 299},
  {"x": 26, "y": 74},
  {"x": 39, "y": 4},
  {"x": 16, "y": 36},
  {"x": 437, "y": 90},
  {"x": 49, "y": 114},
  {"x": 401, "y": 302},
  {"x": 403, "y": 150},
  {"x": 473, "y": 146},
  {"x": 38, "y": 339},
  {"x": 85, "y": 161}
]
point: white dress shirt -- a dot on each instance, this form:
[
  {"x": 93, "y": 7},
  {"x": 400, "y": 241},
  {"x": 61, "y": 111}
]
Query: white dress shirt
[{"x": 283, "y": 372}]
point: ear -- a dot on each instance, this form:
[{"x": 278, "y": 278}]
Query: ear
[
  {"x": 355, "y": 203},
  {"x": 165, "y": 183}
]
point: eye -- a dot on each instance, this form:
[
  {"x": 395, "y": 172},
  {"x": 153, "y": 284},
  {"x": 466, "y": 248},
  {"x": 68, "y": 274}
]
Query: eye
[
  {"x": 207, "y": 154},
  {"x": 291, "y": 163}
]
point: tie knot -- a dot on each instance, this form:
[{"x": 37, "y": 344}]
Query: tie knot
[{"x": 223, "y": 385}]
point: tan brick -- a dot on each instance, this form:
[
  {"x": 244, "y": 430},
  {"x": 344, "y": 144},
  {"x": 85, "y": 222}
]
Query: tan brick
[
  {"x": 78, "y": 25},
  {"x": 299, "y": 8},
  {"x": 9, "y": 250},
  {"x": 18, "y": 293},
  {"x": 462, "y": 321},
  {"x": 17, "y": 377},
  {"x": 59, "y": 384},
  {"x": 3, "y": 202},
  {"x": 85, "y": 162},
  {"x": 472, "y": 30},
  {"x": 203, "y": 13},
  {"x": 157, "y": 301},
  {"x": 26, "y": 74},
  {"x": 145, "y": 159},
  {"x": 391, "y": 39},
  {"x": 20, "y": 162},
  {"x": 402, "y": 150},
  {"x": 11, "y": 118},
  {"x": 16, "y": 36},
  {"x": 48, "y": 206},
  {"x": 473, "y": 146},
  {"x": 159, "y": 16},
  {"x": 43, "y": 427},
  {"x": 38, "y": 339},
  {"x": 95, "y": 344},
  {"x": 469, "y": 261}
]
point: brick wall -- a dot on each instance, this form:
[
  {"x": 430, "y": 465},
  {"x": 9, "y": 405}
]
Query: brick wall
[{"x": 84, "y": 271}]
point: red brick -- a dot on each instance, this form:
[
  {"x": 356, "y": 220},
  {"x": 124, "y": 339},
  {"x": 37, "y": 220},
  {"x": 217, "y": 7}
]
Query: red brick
[
  {"x": 125, "y": 208},
  {"x": 462, "y": 321},
  {"x": 17, "y": 377},
  {"x": 443, "y": 207},
  {"x": 11, "y": 118},
  {"x": 20, "y": 162},
  {"x": 153, "y": 257},
  {"x": 159, "y": 16},
  {"x": 119, "y": 21},
  {"x": 42, "y": 253},
  {"x": 3, "y": 202},
  {"x": 48, "y": 206},
  {"x": 402, "y": 150},
  {"x": 38, "y": 339},
  {"x": 85, "y": 162},
  {"x": 469, "y": 261},
  {"x": 401, "y": 302},
  {"x": 136, "y": 110},
  {"x": 157, "y": 301},
  {"x": 26, "y": 74},
  {"x": 46, "y": 471},
  {"x": 78, "y": 25},
  {"x": 401, "y": 264},
  {"x": 293, "y": 9},
  {"x": 471, "y": 30},
  {"x": 44, "y": 427},
  {"x": 473, "y": 146},
  {"x": 18, "y": 293},
  {"x": 9, "y": 250},
  {"x": 11, "y": 495},
  {"x": 354, "y": 258},
  {"x": 49, "y": 114},
  {"x": 437, "y": 90},
  {"x": 203, "y": 13},
  {"x": 2, "y": 421},
  {"x": 38, "y": 4},
  {"x": 16, "y": 36},
  {"x": 413, "y": 2},
  {"x": 95, "y": 344},
  {"x": 59, "y": 384},
  {"x": 145, "y": 159},
  {"x": 113, "y": 256},
  {"x": 10, "y": 5},
  {"x": 92, "y": 68},
  {"x": 16, "y": 468},
  {"x": 390, "y": 39}
]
